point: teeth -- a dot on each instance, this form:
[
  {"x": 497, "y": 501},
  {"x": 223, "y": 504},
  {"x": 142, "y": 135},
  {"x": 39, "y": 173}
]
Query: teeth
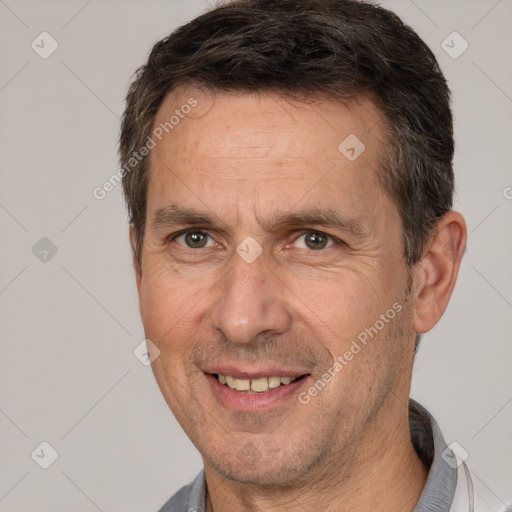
[
  {"x": 259, "y": 385},
  {"x": 230, "y": 381},
  {"x": 242, "y": 384},
  {"x": 274, "y": 382}
]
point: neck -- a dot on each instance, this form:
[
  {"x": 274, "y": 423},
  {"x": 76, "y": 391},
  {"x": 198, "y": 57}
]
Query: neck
[{"x": 378, "y": 471}]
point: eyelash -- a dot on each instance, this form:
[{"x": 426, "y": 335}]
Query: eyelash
[{"x": 172, "y": 238}]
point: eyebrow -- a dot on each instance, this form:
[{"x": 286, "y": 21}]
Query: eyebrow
[{"x": 174, "y": 215}]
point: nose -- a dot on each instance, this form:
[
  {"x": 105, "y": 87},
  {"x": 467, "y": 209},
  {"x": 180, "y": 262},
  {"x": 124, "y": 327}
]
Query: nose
[{"x": 250, "y": 302}]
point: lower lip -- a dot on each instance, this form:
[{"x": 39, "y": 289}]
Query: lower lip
[{"x": 254, "y": 402}]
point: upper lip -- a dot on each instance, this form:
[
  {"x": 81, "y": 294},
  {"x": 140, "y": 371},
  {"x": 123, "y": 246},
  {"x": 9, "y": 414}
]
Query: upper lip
[{"x": 238, "y": 372}]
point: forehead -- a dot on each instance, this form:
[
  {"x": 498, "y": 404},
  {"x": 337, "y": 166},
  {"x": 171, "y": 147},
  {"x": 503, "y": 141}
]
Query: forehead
[
  {"x": 267, "y": 125},
  {"x": 262, "y": 147}
]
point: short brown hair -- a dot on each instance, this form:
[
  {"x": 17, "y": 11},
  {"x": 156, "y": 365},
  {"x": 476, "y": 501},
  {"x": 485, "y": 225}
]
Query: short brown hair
[{"x": 310, "y": 48}]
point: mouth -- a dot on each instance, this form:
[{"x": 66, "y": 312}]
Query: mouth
[
  {"x": 253, "y": 391},
  {"x": 256, "y": 385}
]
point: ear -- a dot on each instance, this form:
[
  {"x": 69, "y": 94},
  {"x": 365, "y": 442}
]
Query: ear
[
  {"x": 136, "y": 265},
  {"x": 435, "y": 274}
]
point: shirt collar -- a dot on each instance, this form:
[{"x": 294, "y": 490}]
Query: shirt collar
[{"x": 437, "y": 495}]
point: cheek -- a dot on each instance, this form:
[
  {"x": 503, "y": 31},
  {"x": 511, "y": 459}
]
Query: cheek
[
  {"x": 156, "y": 295},
  {"x": 171, "y": 308},
  {"x": 342, "y": 302},
  {"x": 161, "y": 306},
  {"x": 358, "y": 309},
  {"x": 166, "y": 310}
]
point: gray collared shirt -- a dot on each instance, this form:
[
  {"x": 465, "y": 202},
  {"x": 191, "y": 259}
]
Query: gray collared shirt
[{"x": 437, "y": 495}]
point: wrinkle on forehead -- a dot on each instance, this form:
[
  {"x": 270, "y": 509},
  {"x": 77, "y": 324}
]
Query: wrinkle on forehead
[{"x": 258, "y": 134}]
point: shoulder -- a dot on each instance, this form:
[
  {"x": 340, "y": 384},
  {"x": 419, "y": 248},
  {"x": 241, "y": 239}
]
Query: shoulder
[{"x": 190, "y": 498}]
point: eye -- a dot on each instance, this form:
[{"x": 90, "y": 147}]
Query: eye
[
  {"x": 314, "y": 240},
  {"x": 194, "y": 239}
]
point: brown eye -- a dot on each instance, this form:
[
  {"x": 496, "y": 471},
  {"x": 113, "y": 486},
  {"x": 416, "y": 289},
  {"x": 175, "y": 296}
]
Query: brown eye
[{"x": 194, "y": 239}]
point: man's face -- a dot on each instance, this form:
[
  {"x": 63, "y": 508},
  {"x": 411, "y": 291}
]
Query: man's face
[{"x": 268, "y": 253}]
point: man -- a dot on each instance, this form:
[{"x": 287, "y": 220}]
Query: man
[{"x": 288, "y": 174}]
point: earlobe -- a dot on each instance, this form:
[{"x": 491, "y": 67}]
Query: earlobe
[{"x": 436, "y": 273}]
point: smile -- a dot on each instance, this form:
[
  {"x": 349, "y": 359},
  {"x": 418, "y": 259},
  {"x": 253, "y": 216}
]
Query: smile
[{"x": 258, "y": 385}]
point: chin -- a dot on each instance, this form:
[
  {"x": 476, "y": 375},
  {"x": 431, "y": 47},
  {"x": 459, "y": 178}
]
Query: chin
[{"x": 277, "y": 468}]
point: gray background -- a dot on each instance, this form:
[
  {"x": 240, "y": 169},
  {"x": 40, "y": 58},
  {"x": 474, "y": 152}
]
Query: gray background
[{"x": 70, "y": 323}]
